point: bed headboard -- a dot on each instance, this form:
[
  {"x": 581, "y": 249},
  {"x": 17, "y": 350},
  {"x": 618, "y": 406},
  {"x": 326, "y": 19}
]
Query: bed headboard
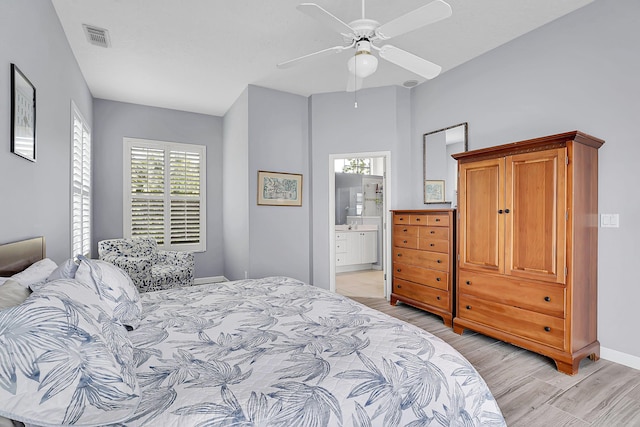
[{"x": 16, "y": 256}]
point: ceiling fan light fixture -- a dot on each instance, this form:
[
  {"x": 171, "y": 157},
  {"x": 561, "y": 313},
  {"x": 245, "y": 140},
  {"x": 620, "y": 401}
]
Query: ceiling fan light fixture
[{"x": 362, "y": 64}]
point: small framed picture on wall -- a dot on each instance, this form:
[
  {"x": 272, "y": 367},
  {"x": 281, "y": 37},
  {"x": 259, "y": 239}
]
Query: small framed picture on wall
[
  {"x": 434, "y": 191},
  {"x": 23, "y": 115},
  {"x": 279, "y": 189}
]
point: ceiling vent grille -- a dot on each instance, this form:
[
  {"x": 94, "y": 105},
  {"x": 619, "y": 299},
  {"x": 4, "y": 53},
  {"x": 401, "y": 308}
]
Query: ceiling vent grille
[{"x": 97, "y": 36}]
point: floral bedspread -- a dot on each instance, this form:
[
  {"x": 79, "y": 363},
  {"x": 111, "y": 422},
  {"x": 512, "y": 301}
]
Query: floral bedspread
[{"x": 278, "y": 352}]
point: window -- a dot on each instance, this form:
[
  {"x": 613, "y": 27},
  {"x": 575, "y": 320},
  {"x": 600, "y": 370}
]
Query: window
[
  {"x": 81, "y": 186},
  {"x": 165, "y": 193},
  {"x": 360, "y": 165}
]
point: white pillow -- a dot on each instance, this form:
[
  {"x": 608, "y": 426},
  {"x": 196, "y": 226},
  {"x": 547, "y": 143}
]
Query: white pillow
[
  {"x": 13, "y": 293},
  {"x": 36, "y": 272},
  {"x": 115, "y": 287},
  {"x": 52, "y": 345}
]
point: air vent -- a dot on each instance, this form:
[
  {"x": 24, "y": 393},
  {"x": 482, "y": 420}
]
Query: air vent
[{"x": 97, "y": 36}]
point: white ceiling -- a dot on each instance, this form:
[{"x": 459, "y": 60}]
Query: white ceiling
[{"x": 199, "y": 55}]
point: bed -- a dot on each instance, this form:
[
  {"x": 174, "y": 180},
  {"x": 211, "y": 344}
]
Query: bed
[{"x": 269, "y": 352}]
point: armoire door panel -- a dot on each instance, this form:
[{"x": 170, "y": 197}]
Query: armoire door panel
[
  {"x": 535, "y": 223},
  {"x": 481, "y": 193}
]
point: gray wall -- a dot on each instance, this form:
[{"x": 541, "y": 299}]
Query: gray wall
[
  {"x": 235, "y": 188},
  {"x": 380, "y": 123},
  {"x": 116, "y": 120},
  {"x": 36, "y": 196},
  {"x": 265, "y": 130},
  {"x": 579, "y": 72}
]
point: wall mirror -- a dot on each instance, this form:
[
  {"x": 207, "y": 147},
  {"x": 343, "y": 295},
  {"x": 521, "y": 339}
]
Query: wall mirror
[{"x": 439, "y": 180}]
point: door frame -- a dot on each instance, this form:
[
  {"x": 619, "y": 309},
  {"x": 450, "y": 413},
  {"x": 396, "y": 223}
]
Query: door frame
[{"x": 386, "y": 230}]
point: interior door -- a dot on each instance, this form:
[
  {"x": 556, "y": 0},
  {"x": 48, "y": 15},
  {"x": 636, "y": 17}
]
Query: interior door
[
  {"x": 535, "y": 226},
  {"x": 481, "y": 228}
]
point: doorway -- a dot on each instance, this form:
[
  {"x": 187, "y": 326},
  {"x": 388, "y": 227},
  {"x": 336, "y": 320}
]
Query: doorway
[{"x": 359, "y": 194}]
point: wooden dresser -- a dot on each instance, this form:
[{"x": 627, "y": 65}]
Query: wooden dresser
[
  {"x": 423, "y": 248},
  {"x": 527, "y": 245}
]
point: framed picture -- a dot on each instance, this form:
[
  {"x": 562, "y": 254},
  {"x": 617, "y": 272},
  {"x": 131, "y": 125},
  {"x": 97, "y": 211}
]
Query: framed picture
[
  {"x": 433, "y": 191},
  {"x": 23, "y": 115},
  {"x": 279, "y": 189}
]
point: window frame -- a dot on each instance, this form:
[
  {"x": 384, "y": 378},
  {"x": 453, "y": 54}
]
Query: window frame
[
  {"x": 167, "y": 147},
  {"x": 84, "y": 190}
]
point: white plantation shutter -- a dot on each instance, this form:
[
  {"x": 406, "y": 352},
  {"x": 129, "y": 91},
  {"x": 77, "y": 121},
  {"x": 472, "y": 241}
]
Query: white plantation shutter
[
  {"x": 165, "y": 188},
  {"x": 81, "y": 186},
  {"x": 185, "y": 197},
  {"x": 147, "y": 193}
]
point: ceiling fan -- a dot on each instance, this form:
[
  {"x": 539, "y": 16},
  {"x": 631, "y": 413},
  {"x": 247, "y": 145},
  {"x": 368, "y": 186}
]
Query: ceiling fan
[{"x": 363, "y": 34}]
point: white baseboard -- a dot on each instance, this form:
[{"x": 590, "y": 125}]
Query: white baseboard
[
  {"x": 215, "y": 279},
  {"x": 620, "y": 357}
]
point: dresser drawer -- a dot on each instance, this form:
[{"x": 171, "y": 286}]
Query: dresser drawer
[
  {"x": 434, "y": 260},
  {"x": 431, "y": 296},
  {"x": 425, "y": 276},
  {"x": 405, "y": 231},
  {"x": 540, "y": 297},
  {"x": 405, "y": 241},
  {"x": 440, "y": 233},
  {"x": 548, "y": 330},
  {"x": 431, "y": 244}
]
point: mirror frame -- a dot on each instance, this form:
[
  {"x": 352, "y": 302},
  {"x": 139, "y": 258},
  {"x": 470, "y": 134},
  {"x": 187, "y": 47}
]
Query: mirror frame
[{"x": 424, "y": 158}]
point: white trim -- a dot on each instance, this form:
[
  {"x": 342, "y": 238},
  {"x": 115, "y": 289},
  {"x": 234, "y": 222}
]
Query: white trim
[
  {"x": 620, "y": 357},
  {"x": 75, "y": 112},
  {"x": 386, "y": 228},
  {"x": 205, "y": 280},
  {"x": 167, "y": 146}
]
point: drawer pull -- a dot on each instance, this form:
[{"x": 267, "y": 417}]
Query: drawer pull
[
  {"x": 468, "y": 307},
  {"x": 468, "y": 282},
  {"x": 404, "y": 241},
  {"x": 548, "y": 329},
  {"x": 438, "y": 279},
  {"x": 547, "y": 299}
]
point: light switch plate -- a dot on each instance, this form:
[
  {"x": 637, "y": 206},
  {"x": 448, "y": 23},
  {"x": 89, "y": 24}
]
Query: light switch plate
[{"x": 609, "y": 220}]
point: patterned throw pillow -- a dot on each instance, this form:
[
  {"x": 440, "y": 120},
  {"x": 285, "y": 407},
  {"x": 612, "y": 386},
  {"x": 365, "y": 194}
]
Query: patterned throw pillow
[
  {"x": 114, "y": 286},
  {"x": 63, "y": 361},
  {"x": 35, "y": 273}
]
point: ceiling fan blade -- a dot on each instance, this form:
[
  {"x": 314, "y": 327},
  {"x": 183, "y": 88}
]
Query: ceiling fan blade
[
  {"x": 354, "y": 83},
  {"x": 328, "y": 19},
  {"x": 409, "y": 61},
  {"x": 425, "y": 15},
  {"x": 311, "y": 56}
]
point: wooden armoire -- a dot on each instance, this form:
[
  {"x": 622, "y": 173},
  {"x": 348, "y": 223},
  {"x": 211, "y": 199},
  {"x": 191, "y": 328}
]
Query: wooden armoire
[{"x": 528, "y": 244}]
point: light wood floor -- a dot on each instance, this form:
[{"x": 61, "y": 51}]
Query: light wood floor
[
  {"x": 528, "y": 388},
  {"x": 366, "y": 283}
]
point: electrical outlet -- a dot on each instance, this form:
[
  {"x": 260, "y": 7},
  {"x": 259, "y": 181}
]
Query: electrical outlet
[{"x": 609, "y": 220}]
